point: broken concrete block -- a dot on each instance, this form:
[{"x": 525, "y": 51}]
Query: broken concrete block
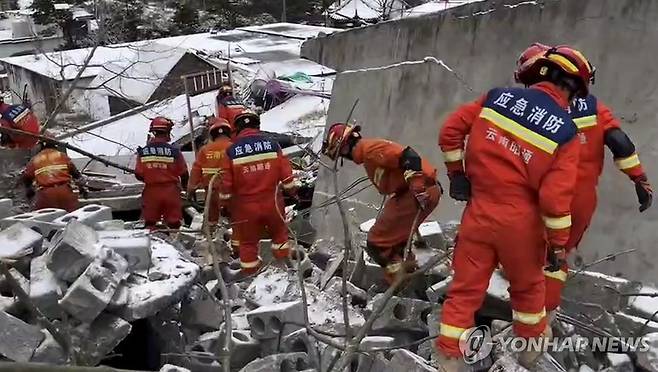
[
  {"x": 73, "y": 250},
  {"x": 20, "y": 279},
  {"x": 438, "y": 291},
  {"x": 19, "y": 241},
  {"x": 300, "y": 342},
  {"x": 643, "y": 306},
  {"x": 279, "y": 362},
  {"x": 597, "y": 288},
  {"x": 5, "y": 207},
  {"x": 145, "y": 298},
  {"x": 111, "y": 225},
  {"x": 133, "y": 245},
  {"x": 45, "y": 288},
  {"x": 199, "y": 310},
  {"x": 335, "y": 287},
  {"x": 303, "y": 262},
  {"x": 40, "y": 221},
  {"x": 497, "y": 301},
  {"x": 366, "y": 226},
  {"x": 400, "y": 313},
  {"x": 648, "y": 359},
  {"x": 49, "y": 351},
  {"x": 244, "y": 348},
  {"x": 88, "y": 215},
  {"x": 405, "y": 361},
  {"x": 620, "y": 362},
  {"x": 432, "y": 234},
  {"x": 19, "y": 340},
  {"x": 93, "y": 290},
  {"x": 275, "y": 320},
  {"x": 173, "y": 368},
  {"x": 99, "y": 338}
]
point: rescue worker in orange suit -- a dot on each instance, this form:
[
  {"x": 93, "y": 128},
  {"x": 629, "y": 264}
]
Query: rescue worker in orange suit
[
  {"x": 163, "y": 170},
  {"x": 397, "y": 171},
  {"x": 518, "y": 173},
  {"x": 208, "y": 163},
  {"x": 52, "y": 171},
  {"x": 21, "y": 118},
  {"x": 228, "y": 107},
  {"x": 254, "y": 174},
  {"x": 597, "y": 128}
]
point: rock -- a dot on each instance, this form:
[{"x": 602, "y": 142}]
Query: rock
[
  {"x": 437, "y": 292},
  {"x": 335, "y": 286},
  {"x": 432, "y": 234},
  {"x": 199, "y": 310},
  {"x": 133, "y": 245},
  {"x": 88, "y": 215},
  {"x": 173, "y": 368},
  {"x": 100, "y": 337},
  {"x": 406, "y": 361},
  {"x": 144, "y": 297},
  {"x": 5, "y": 207},
  {"x": 275, "y": 320},
  {"x": 648, "y": 359},
  {"x": 18, "y": 340},
  {"x": 45, "y": 288},
  {"x": 93, "y": 290},
  {"x": 40, "y": 221},
  {"x": 403, "y": 314},
  {"x": 49, "y": 351},
  {"x": 73, "y": 250},
  {"x": 19, "y": 241},
  {"x": 279, "y": 362},
  {"x": 620, "y": 362}
]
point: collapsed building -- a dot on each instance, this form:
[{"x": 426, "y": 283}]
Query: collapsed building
[{"x": 130, "y": 299}]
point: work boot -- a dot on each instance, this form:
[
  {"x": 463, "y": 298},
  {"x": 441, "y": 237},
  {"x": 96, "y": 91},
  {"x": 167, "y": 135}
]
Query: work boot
[
  {"x": 450, "y": 364},
  {"x": 528, "y": 358}
]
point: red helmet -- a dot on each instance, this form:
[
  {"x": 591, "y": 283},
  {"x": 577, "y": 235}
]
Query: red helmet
[
  {"x": 336, "y": 138},
  {"x": 161, "y": 124},
  {"x": 225, "y": 90},
  {"x": 246, "y": 119},
  {"x": 219, "y": 126},
  {"x": 569, "y": 62},
  {"x": 526, "y": 59}
]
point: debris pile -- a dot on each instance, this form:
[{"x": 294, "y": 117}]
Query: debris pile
[{"x": 86, "y": 280}]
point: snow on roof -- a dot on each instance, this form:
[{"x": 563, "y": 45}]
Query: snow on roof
[
  {"x": 138, "y": 80},
  {"x": 276, "y": 42},
  {"x": 303, "y": 115},
  {"x": 363, "y": 9},
  {"x": 434, "y": 6}
]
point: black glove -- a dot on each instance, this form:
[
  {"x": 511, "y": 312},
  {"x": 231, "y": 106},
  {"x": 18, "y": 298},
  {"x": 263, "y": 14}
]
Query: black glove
[
  {"x": 556, "y": 258},
  {"x": 191, "y": 195},
  {"x": 224, "y": 212},
  {"x": 644, "y": 192},
  {"x": 460, "y": 186}
]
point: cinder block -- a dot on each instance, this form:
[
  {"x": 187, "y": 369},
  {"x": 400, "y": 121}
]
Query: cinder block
[
  {"x": 94, "y": 289},
  {"x": 49, "y": 351},
  {"x": 406, "y": 361},
  {"x": 5, "y": 207},
  {"x": 99, "y": 338},
  {"x": 300, "y": 342},
  {"x": 19, "y": 340},
  {"x": 41, "y": 221},
  {"x": 401, "y": 314},
  {"x": 438, "y": 291},
  {"x": 279, "y": 362},
  {"x": 133, "y": 245},
  {"x": 19, "y": 241},
  {"x": 335, "y": 287},
  {"x": 73, "y": 250},
  {"x": 45, "y": 287},
  {"x": 432, "y": 234},
  {"x": 88, "y": 215},
  {"x": 111, "y": 225},
  {"x": 274, "y": 321},
  {"x": 244, "y": 348}
]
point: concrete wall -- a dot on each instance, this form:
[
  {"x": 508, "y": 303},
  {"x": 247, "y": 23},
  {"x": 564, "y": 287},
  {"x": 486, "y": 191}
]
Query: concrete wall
[
  {"x": 480, "y": 43},
  {"x": 9, "y": 48}
]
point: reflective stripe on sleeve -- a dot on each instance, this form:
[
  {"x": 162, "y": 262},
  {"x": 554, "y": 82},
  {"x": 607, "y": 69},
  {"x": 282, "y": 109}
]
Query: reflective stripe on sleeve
[
  {"x": 557, "y": 223},
  {"x": 393, "y": 268},
  {"x": 209, "y": 170},
  {"x": 629, "y": 162},
  {"x": 257, "y": 157},
  {"x": 51, "y": 168},
  {"x": 224, "y": 196},
  {"x": 585, "y": 122}
]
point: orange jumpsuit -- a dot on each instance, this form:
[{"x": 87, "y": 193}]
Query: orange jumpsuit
[
  {"x": 251, "y": 172},
  {"x": 52, "y": 171},
  {"x": 21, "y": 118},
  {"x": 593, "y": 120},
  {"x": 521, "y": 160},
  {"x": 161, "y": 167},
  {"x": 381, "y": 159},
  {"x": 228, "y": 108},
  {"x": 206, "y": 165}
]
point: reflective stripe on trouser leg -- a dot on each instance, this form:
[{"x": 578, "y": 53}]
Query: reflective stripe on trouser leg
[
  {"x": 281, "y": 250},
  {"x": 474, "y": 261}
]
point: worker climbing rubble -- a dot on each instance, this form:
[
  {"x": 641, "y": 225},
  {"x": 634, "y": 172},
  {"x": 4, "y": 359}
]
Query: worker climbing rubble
[
  {"x": 207, "y": 164},
  {"x": 18, "y": 117},
  {"x": 251, "y": 174},
  {"x": 228, "y": 106},
  {"x": 163, "y": 170},
  {"x": 51, "y": 172},
  {"x": 399, "y": 172},
  {"x": 597, "y": 128},
  {"x": 518, "y": 173}
]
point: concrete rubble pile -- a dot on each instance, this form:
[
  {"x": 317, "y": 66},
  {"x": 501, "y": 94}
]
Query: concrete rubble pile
[{"x": 97, "y": 278}]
